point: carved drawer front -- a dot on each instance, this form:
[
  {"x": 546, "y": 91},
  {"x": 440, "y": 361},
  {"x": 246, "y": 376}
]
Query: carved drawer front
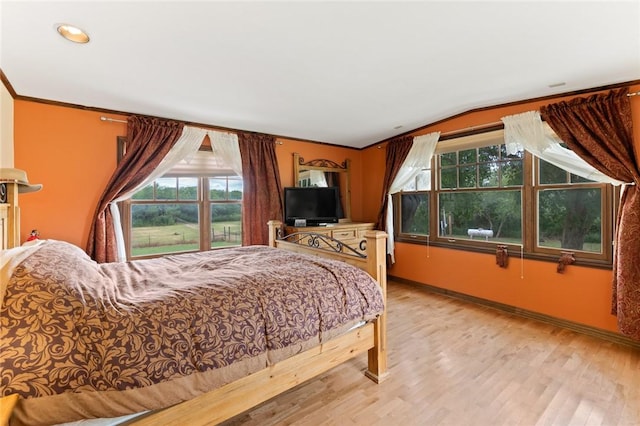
[
  {"x": 363, "y": 230},
  {"x": 348, "y": 236},
  {"x": 344, "y": 234}
]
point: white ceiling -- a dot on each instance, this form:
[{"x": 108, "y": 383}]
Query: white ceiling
[{"x": 345, "y": 73}]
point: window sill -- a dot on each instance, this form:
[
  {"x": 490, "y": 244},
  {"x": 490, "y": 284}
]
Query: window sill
[{"x": 514, "y": 252}]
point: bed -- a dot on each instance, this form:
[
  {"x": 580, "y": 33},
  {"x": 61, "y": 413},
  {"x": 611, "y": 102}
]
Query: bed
[{"x": 167, "y": 348}]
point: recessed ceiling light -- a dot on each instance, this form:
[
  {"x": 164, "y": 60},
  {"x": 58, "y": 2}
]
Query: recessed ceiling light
[
  {"x": 398, "y": 127},
  {"x": 72, "y": 33}
]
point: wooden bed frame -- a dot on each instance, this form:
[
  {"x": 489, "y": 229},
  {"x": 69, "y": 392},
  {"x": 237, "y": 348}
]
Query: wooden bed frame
[{"x": 234, "y": 398}]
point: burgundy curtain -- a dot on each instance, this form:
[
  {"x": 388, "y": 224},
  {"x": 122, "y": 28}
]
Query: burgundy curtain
[
  {"x": 397, "y": 151},
  {"x": 262, "y": 192},
  {"x": 148, "y": 142},
  {"x": 599, "y": 129}
]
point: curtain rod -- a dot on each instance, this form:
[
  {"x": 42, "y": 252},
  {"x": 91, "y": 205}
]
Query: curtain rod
[
  {"x": 114, "y": 120},
  {"x": 488, "y": 126}
]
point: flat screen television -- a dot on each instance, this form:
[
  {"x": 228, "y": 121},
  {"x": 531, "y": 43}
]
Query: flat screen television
[{"x": 316, "y": 205}]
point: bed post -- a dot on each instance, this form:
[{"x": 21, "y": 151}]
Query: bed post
[
  {"x": 274, "y": 226},
  {"x": 377, "y": 268}
]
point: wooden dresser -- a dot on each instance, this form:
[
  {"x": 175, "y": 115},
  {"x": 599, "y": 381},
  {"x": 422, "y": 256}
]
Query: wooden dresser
[{"x": 351, "y": 233}]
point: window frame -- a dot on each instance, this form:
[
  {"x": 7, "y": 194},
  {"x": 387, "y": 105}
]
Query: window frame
[
  {"x": 202, "y": 200},
  {"x": 529, "y": 189},
  {"x": 608, "y": 197}
]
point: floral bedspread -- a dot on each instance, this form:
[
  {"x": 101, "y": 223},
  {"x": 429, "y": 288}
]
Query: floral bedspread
[{"x": 82, "y": 340}]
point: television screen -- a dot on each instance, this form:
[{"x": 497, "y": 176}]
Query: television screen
[{"x": 317, "y": 205}]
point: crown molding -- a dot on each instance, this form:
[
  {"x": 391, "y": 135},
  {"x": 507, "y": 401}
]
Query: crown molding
[{"x": 7, "y": 84}]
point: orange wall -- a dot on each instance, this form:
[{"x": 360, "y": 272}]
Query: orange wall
[
  {"x": 580, "y": 294},
  {"x": 73, "y": 154},
  {"x": 375, "y": 159}
]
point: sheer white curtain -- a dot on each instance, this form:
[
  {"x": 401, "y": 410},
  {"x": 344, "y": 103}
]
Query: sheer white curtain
[
  {"x": 527, "y": 131},
  {"x": 418, "y": 159},
  {"x": 226, "y": 146},
  {"x": 185, "y": 147}
]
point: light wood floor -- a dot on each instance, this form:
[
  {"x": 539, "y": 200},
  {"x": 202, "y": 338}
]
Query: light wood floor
[{"x": 455, "y": 363}]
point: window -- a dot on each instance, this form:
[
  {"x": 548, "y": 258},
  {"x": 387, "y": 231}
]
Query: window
[
  {"x": 166, "y": 216},
  {"x": 483, "y": 197},
  {"x": 480, "y": 195},
  {"x": 414, "y": 206},
  {"x": 225, "y": 206},
  {"x": 569, "y": 211}
]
